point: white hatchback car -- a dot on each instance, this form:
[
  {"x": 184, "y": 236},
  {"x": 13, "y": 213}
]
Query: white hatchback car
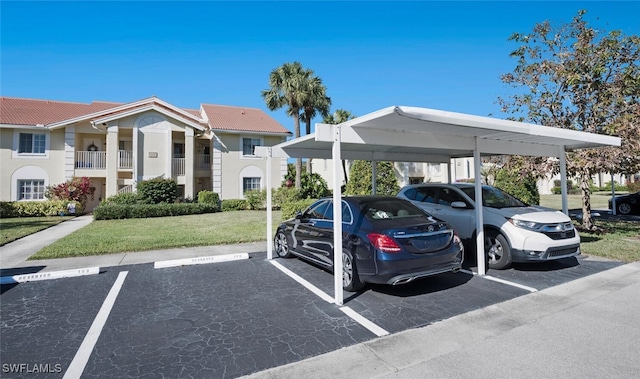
[{"x": 514, "y": 231}]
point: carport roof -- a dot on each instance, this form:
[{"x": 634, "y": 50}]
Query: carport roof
[{"x": 411, "y": 134}]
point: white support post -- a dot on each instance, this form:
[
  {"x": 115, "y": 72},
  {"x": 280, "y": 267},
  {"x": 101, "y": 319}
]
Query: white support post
[
  {"x": 374, "y": 184},
  {"x": 613, "y": 195},
  {"x": 477, "y": 162},
  {"x": 269, "y": 207},
  {"x": 337, "y": 217},
  {"x": 563, "y": 180}
]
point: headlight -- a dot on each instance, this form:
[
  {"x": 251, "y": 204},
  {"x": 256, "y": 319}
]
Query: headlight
[{"x": 529, "y": 225}]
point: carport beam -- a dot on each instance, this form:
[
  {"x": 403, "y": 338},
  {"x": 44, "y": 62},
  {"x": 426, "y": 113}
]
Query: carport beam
[
  {"x": 477, "y": 163},
  {"x": 269, "y": 208},
  {"x": 563, "y": 179}
]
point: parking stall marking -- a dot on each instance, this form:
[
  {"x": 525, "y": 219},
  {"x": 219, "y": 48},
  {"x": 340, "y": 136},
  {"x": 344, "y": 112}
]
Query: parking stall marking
[
  {"x": 493, "y": 278},
  {"x": 37, "y": 276},
  {"x": 79, "y": 362},
  {"x": 373, "y": 328},
  {"x": 200, "y": 260}
]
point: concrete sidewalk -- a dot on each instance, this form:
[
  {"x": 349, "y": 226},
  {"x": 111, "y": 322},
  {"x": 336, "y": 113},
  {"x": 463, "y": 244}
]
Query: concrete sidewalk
[{"x": 14, "y": 255}]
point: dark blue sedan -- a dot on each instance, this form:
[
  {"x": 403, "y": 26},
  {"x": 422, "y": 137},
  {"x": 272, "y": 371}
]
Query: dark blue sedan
[{"x": 385, "y": 240}]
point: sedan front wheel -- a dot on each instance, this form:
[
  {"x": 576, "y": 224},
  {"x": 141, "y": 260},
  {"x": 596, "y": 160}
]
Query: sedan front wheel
[
  {"x": 624, "y": 208},
  {"x": 281, "y": 245}
]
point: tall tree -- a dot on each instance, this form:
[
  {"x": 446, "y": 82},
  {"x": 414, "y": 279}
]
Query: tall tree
[
  {"x": 315, "y": 101},
  {"x": 338, "y": 117},
  {"x": 577, "y": 77},
  {"x": 287, "y": 89}
]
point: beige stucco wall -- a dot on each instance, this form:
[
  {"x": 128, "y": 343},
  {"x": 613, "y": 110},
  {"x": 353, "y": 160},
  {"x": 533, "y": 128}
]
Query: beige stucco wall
[
  {"x": 49, "y": 167},
  {"x": 235, "y": 166}
]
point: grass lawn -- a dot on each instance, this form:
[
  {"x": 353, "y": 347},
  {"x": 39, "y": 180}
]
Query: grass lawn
[
  {"x": 621, "y": 241},
  {"x": 12, "y": 229},
  {"x": 599, "y": 200},
  {"x": 116, "y": 236}
]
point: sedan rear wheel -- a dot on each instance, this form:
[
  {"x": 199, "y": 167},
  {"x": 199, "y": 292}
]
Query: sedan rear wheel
[
  {"x": 497, "y": 250},
  {"x": 281, "y": 246},
  {"x": 350, "y": 280},
  {"x": 624, "y": 208}
]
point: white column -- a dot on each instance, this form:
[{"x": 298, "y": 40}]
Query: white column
[
  {"x": 112, "y": 159},
  {"x": 477, "y": 162},
  {"x": 69, "y": 152},
  {"x": 189, "y": 155},
  {"x": 563, "y": 180},
  {"x": 269, "y": 207},
  {"x": 337, "y": 217}
]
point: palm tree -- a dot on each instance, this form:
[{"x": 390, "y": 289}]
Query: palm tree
[
  {"x": 316, "y": 101},
  {"x": 288, "y": 85},
  {"x": 338, "y": 117}
]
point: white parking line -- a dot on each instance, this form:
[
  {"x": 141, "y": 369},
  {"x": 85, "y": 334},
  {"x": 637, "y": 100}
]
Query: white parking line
[
  {"x": 493, "y": 278},
  {"x": 304, "y": 282},
  {"x": 79, "y": 362},
  {"x": 373, "y": 328}
]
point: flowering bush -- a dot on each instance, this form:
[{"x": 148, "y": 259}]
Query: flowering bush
[{"x": 76, "y": 189}]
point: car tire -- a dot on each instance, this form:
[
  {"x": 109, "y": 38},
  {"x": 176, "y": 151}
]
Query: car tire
[
  {"x": 497, "y": 251},
  {"x": 281, "y": 245},
  {"x": 624, "y": 208},
  {"x": 350, "y": 279}
]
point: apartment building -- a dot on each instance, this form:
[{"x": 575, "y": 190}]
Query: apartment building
[{"x": 45, "y": 142}]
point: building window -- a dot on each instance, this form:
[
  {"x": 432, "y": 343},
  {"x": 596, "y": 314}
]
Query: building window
[
  {"x": 31, "y": 143},
  {"x": 249, "y": 184},
  {"x": 31, "y": 189},
  {"x": 248, "y": 145}
]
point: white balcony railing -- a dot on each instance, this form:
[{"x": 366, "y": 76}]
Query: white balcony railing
[
  {"x": 97, "y": 160},
  {"x": 92, "y": 160},
  {"x": 177, "y": 166},
  {"x": 203, "y": 162},
  {"x": 125, "y": 159}
]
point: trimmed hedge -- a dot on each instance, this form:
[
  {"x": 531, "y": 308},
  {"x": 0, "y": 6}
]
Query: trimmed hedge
[
  {"x": 117, "y": 211},
  {"x": 208, "y": 197},
  {"x": 37, "y": 208},
  {"x": 289, "y": 210},
  {"x": 234, "y": 205}
]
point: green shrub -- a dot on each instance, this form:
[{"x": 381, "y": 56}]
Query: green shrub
[
  {"x": 256, "y": 199},
  {"x": 360, "y": 179},
  {"x": 234, "y": 205},
  {"x": 522, "y": 186},
  {"x": 208, "y": 197},
  {"x": 284, "y": 195},
  {"x": 158, "y": 190},
  {"x": 38, "y": 208},
  {"x": 119, "y": 211},
  {"x": 289, "y": 210},
  {"x": 311, "y": 185}
]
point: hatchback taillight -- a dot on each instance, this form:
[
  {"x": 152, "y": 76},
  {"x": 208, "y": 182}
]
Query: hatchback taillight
[{"x": 384, "y": 243}]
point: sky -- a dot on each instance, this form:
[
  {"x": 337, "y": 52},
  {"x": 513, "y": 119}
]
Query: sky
[{"x": 369, "y": 54}]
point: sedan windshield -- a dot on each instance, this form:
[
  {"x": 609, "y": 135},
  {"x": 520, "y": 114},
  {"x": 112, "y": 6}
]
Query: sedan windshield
[{"x": 494, "y": 197}]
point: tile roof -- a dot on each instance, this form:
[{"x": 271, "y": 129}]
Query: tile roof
[
  {"x": 33, "y": 112},
  {"x": 19, "y": 111},
  {"x": 241, "y": 119}
]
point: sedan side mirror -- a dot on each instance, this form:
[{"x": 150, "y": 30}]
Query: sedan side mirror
[{"x": 459, "y": 205}]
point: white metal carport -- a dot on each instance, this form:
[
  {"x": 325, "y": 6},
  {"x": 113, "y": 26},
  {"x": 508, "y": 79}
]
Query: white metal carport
[{"x": 411, "y": 134}]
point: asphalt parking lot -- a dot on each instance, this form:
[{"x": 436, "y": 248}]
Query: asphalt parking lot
[{"x": 230, "y": 319}]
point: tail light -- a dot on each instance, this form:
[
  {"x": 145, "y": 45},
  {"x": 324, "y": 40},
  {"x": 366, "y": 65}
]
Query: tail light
[{"x": 384, "y": 243}]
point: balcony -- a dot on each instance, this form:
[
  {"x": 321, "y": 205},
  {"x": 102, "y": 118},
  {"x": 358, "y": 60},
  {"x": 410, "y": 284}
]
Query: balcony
[
  {"x": 97, "y": 160},
  {"x": 203, "y": 162},
  {"x": 178, "y": 165}
]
